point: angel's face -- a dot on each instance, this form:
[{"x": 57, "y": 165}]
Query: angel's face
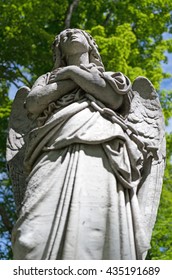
[{"x": 73, "y": 41}]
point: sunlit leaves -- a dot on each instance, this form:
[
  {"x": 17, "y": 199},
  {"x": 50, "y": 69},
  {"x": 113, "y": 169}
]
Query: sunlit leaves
[{"x": 162, "y": 239}]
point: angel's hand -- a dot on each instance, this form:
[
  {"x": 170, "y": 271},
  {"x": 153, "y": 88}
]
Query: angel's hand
[
  {"x": 89, "y": 67},
  {"x": 62, "y": 73},
  {"x": 53, "y": 76}
]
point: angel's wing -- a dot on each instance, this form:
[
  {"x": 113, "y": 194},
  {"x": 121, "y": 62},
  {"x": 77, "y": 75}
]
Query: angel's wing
[
  {"x": 19, "y": 126},
  {"x": 146, "y": 119}
]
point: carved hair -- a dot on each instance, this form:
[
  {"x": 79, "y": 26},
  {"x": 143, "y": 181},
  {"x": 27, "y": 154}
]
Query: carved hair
[{"x": 94, "y": 56}]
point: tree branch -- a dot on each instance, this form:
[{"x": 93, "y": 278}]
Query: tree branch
[
  {"x": 106, "y": 21},
  {"x": 70, "y": 10},
  {"x": 22, "y": 76},
  {"x": 5, "y": 219},
  {"x": 110, "y": 12},
  {"x": 15, "y": 84}
]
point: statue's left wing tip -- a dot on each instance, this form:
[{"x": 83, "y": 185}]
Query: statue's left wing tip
[
  {"x": 144, "y": 87},
  {"x": 19, "y": 126}
]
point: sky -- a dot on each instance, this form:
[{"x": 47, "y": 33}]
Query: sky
[{"x": 167, "y": 84}]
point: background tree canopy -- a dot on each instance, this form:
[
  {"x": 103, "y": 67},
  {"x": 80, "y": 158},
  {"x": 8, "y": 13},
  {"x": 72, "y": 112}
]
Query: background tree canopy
[{"x": 129, "y": 34}]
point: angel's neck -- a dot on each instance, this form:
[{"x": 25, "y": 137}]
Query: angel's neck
[{"x": 78, "y": 59}]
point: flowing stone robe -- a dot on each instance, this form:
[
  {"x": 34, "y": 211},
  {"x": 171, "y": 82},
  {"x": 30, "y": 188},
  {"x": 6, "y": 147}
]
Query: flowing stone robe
[{"x": 81, "y": 192}]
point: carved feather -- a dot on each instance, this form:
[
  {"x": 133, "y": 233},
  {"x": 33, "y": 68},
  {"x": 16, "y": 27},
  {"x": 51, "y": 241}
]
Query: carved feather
[{"x": 147, "y": 119}]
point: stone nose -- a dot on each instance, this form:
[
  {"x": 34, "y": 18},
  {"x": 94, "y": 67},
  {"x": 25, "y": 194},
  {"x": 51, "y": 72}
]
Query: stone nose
[{"x": 70, "y": 32}]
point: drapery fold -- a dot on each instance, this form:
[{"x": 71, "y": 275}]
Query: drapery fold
[{"x": 80, "y": 200}]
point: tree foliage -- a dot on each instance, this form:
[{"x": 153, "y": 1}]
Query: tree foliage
[{"x": 129, "y": 34}]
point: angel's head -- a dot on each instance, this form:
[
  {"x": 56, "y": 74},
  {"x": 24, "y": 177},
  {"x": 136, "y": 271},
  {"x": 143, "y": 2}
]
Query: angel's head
[{"x": 70, "y": 41}]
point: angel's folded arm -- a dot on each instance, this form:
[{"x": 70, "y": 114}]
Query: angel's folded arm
[
  {"x": 41, "y": 95},
  {"x": 92, "y": 82}
]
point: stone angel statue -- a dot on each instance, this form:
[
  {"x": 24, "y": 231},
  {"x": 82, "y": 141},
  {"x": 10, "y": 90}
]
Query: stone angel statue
[{"x": 86, "y": 155}]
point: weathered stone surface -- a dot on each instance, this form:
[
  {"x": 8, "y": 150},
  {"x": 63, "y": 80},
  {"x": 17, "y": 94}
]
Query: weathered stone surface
[{"x": 86, "y": 152}]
